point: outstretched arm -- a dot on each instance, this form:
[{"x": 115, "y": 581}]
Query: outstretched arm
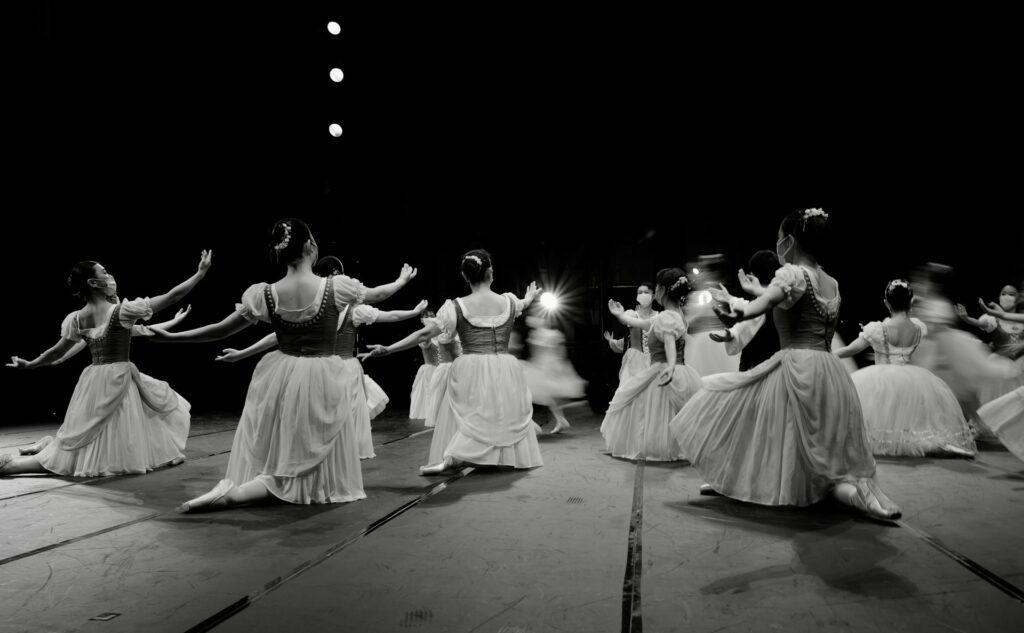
[
  {"x": 393, "y": 316},
  {"x": 47, "y": 358},
  {"x": 773, "y": 295},
  {"x": 380, "y": 293},
  {"x": 618, "y": 345},
  {"x": 422, "y": 335},
  {"x": 75, "y": 349},
  {"x": 999, "y": 313},
  {"x": 214, "y": 332},
  {"x": 233, "y": 355},
  {"x": 620, "y": 313},
  {"x": 852, "y": 349},
  {"x": 178, "y": 292},
  {"x": 962, "y": 313}
]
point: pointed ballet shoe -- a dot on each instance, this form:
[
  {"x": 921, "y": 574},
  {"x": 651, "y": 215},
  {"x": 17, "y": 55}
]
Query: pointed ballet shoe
[
  {"x": 707, "y": 490},
  {"x": 560, "y": 426},
  {"x": 536, "y": 428},
  {"x": 439, "y": 468},
  {"x": 223, "y": 487},
  {"x": 957, "y": 451},
  {"x": 871, "y": 500},
  {"x": 38, "y": 446}
]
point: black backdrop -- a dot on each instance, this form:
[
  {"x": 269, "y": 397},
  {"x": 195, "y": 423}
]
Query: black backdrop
[{"x": 585, "y": 149}]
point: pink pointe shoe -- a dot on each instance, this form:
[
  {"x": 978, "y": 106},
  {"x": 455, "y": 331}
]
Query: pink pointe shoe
[{"x": 206, "y": 501}]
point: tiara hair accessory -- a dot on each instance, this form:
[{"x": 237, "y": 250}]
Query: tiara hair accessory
[
  {"x": 474, "y": 258},
  {"x": 283, "y": 244}
]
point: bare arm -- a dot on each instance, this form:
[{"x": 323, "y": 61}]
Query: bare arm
[
  {"x": 177, "y": 293},
  {"x": 773, "y": 295},
  {"x": 233, "y": 324},
  {"x": 854, "y": 348},
  {"x": 999, "y": 313},
  {"x": 422, "y": 335},
  {"x": 233, "y": 355},
  {"x": 962, "y": 313},
  {"x": 380, "y": 293},
  {"x": 620, "y": 313},
  {"x": 47, "y": 358},
  {"x": 618, "y": 345},
  {"x": 393, "y": 316},
  {"x": 75, "y": 349}
]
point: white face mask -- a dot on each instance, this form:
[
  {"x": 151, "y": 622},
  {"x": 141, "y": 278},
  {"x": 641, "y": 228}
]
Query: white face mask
[
  {"x": 109, "y": 287},
  {"x": 644, "y": 300},
  {"x": 782, "y": 254},
  {"x": 1007, "y": 302}
]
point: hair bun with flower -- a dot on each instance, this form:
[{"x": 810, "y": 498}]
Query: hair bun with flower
[
  {"x": 810, "y": 213},
  {"x": 283, "y": 244},
  {"x": 680, "y": 282},
  {"x": 474, "y": 258}
]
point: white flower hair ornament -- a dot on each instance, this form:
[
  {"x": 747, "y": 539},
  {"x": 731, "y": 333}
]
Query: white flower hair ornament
[
  {"x": 810, "y": 213},
  {"x": 283, "y": 244},
  {"x": 682, "y": 280},
  {"x": 899, "y": 282},
  {"x": 474, "y": 258}
]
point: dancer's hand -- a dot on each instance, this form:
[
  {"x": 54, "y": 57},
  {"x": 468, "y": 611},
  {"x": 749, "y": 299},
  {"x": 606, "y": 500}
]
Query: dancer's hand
[
  {"x": 992, "y": 308},
  {"x": 615, "y": 307},
  {"x": 18, "y": 363},
  {"x": 730, "y": 318},
  {"x": 724, "y": 337},
  {"x": 181, "y": 314},
  {"x": 204, "y": 261},
  {"x": 531, "y": 292},
  {"x": 230, "y": 355},
  {"x": 720, "y": 294},
  {"x": 408, "y": 274},
  {"x": 961, "y": 311},
  {"x": 421, "y": 306},
  {"x": 666, "y": 375},
  {"x": 608, "y": 337},
  {"x": 376, "y": 350},
  {"x": 750, "y": 284}
]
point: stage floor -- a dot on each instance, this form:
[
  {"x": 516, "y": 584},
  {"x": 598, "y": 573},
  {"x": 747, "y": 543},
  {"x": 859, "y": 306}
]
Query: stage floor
[{"x": 586, "y": 543}]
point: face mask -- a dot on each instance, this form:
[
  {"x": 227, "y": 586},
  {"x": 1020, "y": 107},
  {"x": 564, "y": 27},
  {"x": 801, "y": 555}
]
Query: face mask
[
  {"x": 644, "y": 300},
  {"x": 782, "y": 254},
  {"x": 109, "y": 287},
  {"x": 1007, "y": 302}
]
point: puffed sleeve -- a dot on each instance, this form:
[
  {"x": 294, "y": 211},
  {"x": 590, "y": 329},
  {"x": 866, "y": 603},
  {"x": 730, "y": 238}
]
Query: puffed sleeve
[
  {"x": 872, "y": 333},
  {"x": 668, "y": 322},
  {"x": 517, "y": 304},
  {"x": 138, "y": 309},
  {"x": 920, "y": 325},
  {"x": 446, "y": 320},
  {"x": 365, "y": 315},
  {"x": 988, "y": 322},
  {"x": 348, "y": 291},
  {"x": 253, "y": 307},
  {"x": 791, "y": 280},
  {"x": 69, "y": 328}
]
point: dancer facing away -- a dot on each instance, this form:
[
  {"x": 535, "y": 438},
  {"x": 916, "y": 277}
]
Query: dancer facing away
[
  {"x": 119, "y": 420},
  {"x": 636, "y": 424},
  {"x": 636, "y": 357},
  {"x": 908, "y": 410},
  {"x": 360, "y": 390},
  {"x": 420, "y": 397},
  {"x": 790, "y": 431},
  {"x": 296, "y": 439},
  {"x": 487, "y": 397}
]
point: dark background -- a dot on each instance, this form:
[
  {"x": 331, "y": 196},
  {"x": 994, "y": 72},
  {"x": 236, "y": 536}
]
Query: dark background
[{"x": 585, "y": 149}]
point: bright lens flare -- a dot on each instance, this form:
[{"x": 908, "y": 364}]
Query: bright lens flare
[
  {"x": 704, "y": 297},
  {"x": 548, "y": 301}
]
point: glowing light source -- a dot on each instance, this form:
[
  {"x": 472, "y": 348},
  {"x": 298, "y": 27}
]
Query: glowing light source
[
  {"x": 333, "y": 28},
  {"x": 696, "y": 271},
  {"x": 335, "y": 130},
  {"x": 337, "y": 75},
  {"x": 704, "y": 297},
  {"x": 548, "y": 301}
]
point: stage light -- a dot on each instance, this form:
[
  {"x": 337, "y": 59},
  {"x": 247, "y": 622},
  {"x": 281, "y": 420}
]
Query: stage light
[
  {"x": 696, "y": 271},
  {"x": 548, "y": 301},
  {"x": 704, "y": 297},
  {"x": 334, "y": 28},
  {"x": 335, "y": 130},
  {"x": 337, "y": 75}
]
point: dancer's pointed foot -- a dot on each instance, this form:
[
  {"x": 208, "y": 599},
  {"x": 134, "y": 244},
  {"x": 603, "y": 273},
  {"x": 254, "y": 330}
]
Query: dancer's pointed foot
[
  {"x": 959, "y": 452},
  {"x": 560, "y": 425},
  {"x": 38, "y": 446},
  {"x": 865, "y": 495},
  {"x": 449, "y": 463},
  {"x": 707, "y": 490},
  {"x": 536, "y": 428},
  {"x": 206, "y": 501}
]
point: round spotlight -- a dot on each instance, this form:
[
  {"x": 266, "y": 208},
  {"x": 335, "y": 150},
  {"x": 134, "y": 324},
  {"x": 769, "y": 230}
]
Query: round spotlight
[
  {"x": 704, "y": 297},
  {"x": 335, "y": 130},
  {"x": 696, "y": 271},
  {"x": 333, "y": 28},
  {"x": 548, "y": 301},
  {"x": 337, "y": 75}
]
